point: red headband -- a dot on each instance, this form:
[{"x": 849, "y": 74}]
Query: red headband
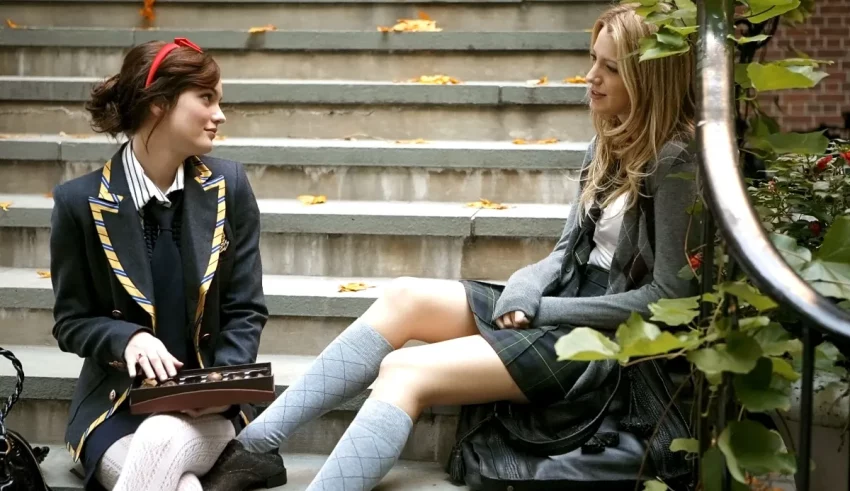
[{"x": 163, "y": 52}]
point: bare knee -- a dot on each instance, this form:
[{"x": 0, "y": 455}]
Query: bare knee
[
  {"x": 406, "y": 295},
  {"x": 403, "y": 381}
]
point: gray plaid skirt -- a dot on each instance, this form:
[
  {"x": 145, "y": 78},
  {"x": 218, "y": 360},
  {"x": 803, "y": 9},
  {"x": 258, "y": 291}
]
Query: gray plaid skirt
[{"x": 529, "y": 354}]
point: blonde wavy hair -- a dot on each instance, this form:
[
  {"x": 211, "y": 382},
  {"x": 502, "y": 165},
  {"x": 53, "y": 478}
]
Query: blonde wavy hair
[{"x": 662, "y": 108}]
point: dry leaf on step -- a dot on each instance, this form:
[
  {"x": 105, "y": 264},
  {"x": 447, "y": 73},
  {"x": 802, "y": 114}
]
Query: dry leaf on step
[
  {"x": 48, "y": 195},
  {"x": 578, "y": 79},
  {"x": 43, "y": 274},
  {"x": 423, "y": 16},
  {"x": 523, "y": 141},
  {"x": 147, "y": 12},
  {"x": 412, "y": 25},
  {"x": 354, "y": 287},
  {"x": 12, "y": 24},
  {"x": 309, "y": 199},
  {"x": 417, "y": 141},
  {"x": 487, "y": 204},
  {"x": 436, "y": 80},
  {"x": 5, "y": 205},
  {"x": 540, "y": 81},
  {"x": 266, "y": 28},
  {"x": 220, "y": 137}
]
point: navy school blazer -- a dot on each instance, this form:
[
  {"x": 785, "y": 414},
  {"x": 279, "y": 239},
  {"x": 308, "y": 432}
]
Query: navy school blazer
[{"x": 104, "y": 292}]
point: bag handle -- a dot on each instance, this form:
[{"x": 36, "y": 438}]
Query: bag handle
[{"x": 12, "y": 399}]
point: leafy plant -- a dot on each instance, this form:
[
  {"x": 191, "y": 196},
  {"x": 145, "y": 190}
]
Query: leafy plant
[{"x": 799, "y": 184}]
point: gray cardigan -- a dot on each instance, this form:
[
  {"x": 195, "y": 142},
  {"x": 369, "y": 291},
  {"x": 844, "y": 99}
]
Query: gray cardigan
[{"x": 545, "y": 291}]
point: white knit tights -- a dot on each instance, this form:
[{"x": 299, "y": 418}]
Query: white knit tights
[{"x": 168, "y": 452}]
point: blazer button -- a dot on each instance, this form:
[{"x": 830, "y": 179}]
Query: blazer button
[
  {"x": 205, "y": 339},
  {"x": 117, "y": 314},
  {"x": 112, "y": 395}
]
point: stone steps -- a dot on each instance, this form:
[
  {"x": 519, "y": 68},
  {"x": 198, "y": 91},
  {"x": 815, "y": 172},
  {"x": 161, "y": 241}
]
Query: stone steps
[
  {"x": 51, "y": 375},
  {"x": 319, "y": 15},
  {"x": 373, "y": 170},
  {"x": 300, "y": 468},
  {"x": 334, "y": 109},
  {"x": 350, "y": 238}
]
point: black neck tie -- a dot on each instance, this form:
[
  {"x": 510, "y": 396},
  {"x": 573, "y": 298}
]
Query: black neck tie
[{"x": 168, "y": 290}]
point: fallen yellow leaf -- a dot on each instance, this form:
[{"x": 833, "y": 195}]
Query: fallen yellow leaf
[
  {"x": 309, "y": 199},
  {"x": 540, "y": 81},
  {"x": 436, "y": 80},
  {"x": 423, "y": 16},
  {"x": 147, "y": 11},
  {"x": 266, "y": 28},
  {"x": 411, "y": 142},
  {"x": 354, "y": 287},
  {"x": 43, "y": 274},
  {"x": 412, "y": 25},
  {"x": 48, "y": 195},
  {"x": 523, "y": 141},
  {"x": 220, "y": 137},
  {"x": 5, "y": 205},
  {"x": 11, "y": 24},
  {"x": 486, "y": 203},
  {"x": 578, "y": 79}
]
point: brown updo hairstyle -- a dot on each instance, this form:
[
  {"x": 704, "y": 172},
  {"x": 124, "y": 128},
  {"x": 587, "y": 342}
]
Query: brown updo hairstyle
[{"x": 122, "y": 103}]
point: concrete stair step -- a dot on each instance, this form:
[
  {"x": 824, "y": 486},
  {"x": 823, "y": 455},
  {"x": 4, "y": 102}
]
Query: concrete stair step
[
  {"x": 319, "y": 15},
  {"x": 380, "y": 170},
  {"x": 51, "y": 375},
  {"x": 300, "y": 468},
  {"x": 334, "y": 109},
  {"x": 306, "y": 54},
  {"x": 350, "y": 238}
]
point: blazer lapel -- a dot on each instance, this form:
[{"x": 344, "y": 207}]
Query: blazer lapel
[
  {"x": 201, "y": 235},
  {"x": 120, "y": 230}
]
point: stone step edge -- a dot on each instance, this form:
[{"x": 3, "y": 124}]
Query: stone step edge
[
  {"x": 391, "y": 218},
  {"x": 406, "y": 475},
  {"x": 322, "y": 152},
  {"x": 344, "y": 92},
  {"x": 51, "y": 375},
  {"x": 309, "y": 40}
]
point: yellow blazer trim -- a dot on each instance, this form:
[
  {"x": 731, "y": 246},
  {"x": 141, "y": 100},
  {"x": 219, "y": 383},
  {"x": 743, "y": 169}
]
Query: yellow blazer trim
[{"x": 75, "y": 452}]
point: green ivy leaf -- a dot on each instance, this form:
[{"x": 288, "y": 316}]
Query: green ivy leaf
[
  {"x": 585, "y": 344},
  {"x": 796, "y": 256},
  {"x": 675, "y": 311},
  {"x": 762, "y": 10},
  {"x": 651, "y": 49},
  {"x": 845, "y": 305},
  {"x": 685, "y": 5},
  {"x": 687, "y": 16},
  {"x": 750, "y": 447},
  {"x": 803, "y": 60},
  {"x": 686, "y": 273},
  {"x": 748, "y": 323},
  {"x": 636, "y": 337},
  {"x": 776, "y": 341},
  {"x": 836, "y": 242},
  {"x": 750, "y": 295},
  {"x": 752, "y": 39},
  {"x": 685, "y": 176},
  {"x": 772, "y": 76},
  {"x": 738, "y": 355},
  {"x": 828, "y": 278},
  {"x": 742, "y": 76},
  {"x": 645, "y": 10},
  {"x": 684, "y": 31},
  {"x": 797, "y": 143},
  {"x": 784, "y": 369},
  {"x": 670, "y": 38},
  {"x": 756, "y": 391},
  {"x": 690, "y": 445},
  {"x": 654, "y": 486}
]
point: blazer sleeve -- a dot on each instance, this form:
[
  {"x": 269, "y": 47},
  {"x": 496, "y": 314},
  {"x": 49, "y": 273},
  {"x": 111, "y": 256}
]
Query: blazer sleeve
[
  {"x": 243, "y": 305},
  {"x": 672, "y": 199},
  {"x": 526, "y": 287},
  {"x": 79, "y": 324}
]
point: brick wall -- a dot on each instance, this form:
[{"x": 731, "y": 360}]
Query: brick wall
[{"x": 826, "y": 36}]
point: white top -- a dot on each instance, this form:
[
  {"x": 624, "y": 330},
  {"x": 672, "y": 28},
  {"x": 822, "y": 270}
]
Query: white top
[
  {"x": 141, "y": 187},
  {"x": 607, "y": 233}
]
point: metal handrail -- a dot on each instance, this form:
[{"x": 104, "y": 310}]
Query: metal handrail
[{"x": 727, "y": 195}]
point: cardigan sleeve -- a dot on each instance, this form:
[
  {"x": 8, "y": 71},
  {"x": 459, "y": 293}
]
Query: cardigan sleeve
[
  {"x": 672, "y": 198},
  {"x": 526, "y": 287}
]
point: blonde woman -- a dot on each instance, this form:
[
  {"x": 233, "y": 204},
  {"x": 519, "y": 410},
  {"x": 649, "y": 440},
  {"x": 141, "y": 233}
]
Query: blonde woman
[{"x": 491, "y": 343}]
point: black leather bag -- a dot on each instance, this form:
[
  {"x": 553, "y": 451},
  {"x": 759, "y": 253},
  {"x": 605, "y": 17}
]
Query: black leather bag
[
  {"x": 596, "y": 440},
  {"x": 19, "y": 461}
]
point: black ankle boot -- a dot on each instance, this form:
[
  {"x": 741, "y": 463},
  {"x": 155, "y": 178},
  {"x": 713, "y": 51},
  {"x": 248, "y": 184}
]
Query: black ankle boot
[{"x": 238, "y": 469}]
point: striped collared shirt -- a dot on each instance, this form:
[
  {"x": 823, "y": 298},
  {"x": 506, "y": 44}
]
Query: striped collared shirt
[{"x": 141, "y": 187}]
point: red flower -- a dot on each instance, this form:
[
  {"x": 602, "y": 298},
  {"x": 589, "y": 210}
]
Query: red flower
[
  {"x": 695, "y": 260},
  {"x": 815, "y": 228},
  {"x": 823, "y": 162},
  {"x": 846, "y": 156}
]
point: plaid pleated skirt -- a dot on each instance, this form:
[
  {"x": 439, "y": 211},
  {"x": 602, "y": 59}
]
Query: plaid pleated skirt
[{"x": 529, "y": 354}]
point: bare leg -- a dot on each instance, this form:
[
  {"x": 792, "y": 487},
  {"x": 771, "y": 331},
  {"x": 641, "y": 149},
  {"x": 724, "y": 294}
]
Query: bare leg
[
  {"x": 458, "y": 371},
  {"x": 427, "y": 310}
]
